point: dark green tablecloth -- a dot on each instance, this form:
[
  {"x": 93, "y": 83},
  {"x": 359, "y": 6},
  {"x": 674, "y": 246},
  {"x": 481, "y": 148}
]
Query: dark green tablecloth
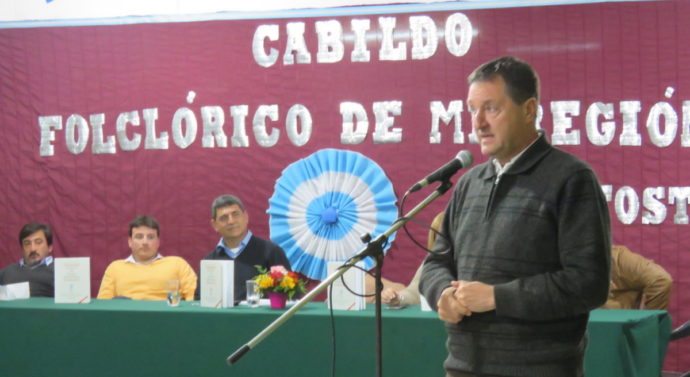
[
  {"x": 627, "y": 343},
  {"x": 147, "y": 338}
]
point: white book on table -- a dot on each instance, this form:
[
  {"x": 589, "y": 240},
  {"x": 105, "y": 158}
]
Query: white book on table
[
  {"x": 217, "y": 283},
  {"x": 342, "y": 298},
  {"x": 72, "y": 280},
  {"x": 14, "y": 291}
]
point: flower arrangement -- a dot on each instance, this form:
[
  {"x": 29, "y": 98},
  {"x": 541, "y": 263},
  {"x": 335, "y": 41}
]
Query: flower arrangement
[{"x": 279, "y": 279}]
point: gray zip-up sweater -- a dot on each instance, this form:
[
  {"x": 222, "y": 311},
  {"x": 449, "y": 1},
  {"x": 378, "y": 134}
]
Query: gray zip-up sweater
[{"x": 541, "y": 236}]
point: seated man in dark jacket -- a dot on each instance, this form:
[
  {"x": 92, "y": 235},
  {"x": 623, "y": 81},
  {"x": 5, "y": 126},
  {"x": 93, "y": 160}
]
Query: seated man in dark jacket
[
  {"x": 230, "y": 219},
  {"x": 36, "y": 266}
]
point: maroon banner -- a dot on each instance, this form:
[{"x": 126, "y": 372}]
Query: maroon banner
[{"x": 101, "y": 123}]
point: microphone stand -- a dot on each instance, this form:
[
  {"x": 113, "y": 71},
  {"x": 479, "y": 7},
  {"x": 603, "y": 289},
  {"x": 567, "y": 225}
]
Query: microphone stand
[{"x": 373, "y": 249}]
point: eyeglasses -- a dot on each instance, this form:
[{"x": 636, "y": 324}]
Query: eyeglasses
[{"x": 226, "y": 217}]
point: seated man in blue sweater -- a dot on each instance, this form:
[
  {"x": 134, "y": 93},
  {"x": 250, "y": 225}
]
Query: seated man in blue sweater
[
  {"x": 231, "y": 220},
  {"x": 36, "y": 266}
]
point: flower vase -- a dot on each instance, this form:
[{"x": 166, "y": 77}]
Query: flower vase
[{"x": 277, "y": 299}]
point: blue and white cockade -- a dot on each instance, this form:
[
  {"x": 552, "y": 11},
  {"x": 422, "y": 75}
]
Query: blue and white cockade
[{"x": 323, "y": 203}]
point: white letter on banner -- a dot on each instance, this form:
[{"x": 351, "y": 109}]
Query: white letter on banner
[
  {"x": 47, "y": 125},
  {"x": 458, "y": 42},
  {"x": 679, "y": 196},
  {"x": 295, "y": 43},
  {"x": 685, "y": 136},
  {"x": 213, "y": 119},
  {"x": 591, "y": 124},
  {"x": 127, "y": 144},
  {"x": 184, "y": 139},
  {"x": 653, "y": 120},
  {"x": 259, "y": 125},
  {"x": 656, "y": 210},
  {"x": 302, "y": 113},
  {"x": 258, "y": 45},
  {"x": 630, "y": 136},
  {"x": 98, "y": 145},
  {"x": 239, "y": 134},
  {"x": 387, "y": 51},
  {"x": 331, "y": 47},
  {"x": 562, "y": 122},
  {"x": 153, "y": 142},
  {"x": 76, "y": 133},
  {"x": 439, "y": 113},
  {"x": 382, "y": 111},
  {"x": 627, "y": 194},
  {"x": 359, "y": 52},
  {"x": 351, "y": 134},
  {"x": 608, "y": 192},
  {"x": 423, "y": 27}
]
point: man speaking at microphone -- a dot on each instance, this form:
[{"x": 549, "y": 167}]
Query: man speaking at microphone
[{"x": 524, "y": 251}]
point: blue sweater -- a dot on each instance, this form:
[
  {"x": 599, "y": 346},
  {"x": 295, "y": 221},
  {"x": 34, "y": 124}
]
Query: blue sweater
[{"x": 541, "y": 237}]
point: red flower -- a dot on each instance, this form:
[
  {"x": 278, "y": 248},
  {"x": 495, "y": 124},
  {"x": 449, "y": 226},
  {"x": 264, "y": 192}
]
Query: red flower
[{"x": 276, "y": 275}]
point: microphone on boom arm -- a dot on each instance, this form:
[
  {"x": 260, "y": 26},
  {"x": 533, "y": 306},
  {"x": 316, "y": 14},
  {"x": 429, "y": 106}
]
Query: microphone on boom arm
[{"x": 462, "y": 160}]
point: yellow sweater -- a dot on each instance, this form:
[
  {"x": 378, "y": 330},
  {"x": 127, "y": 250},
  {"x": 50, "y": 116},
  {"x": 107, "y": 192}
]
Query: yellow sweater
[{"x": 147, "y": 282}]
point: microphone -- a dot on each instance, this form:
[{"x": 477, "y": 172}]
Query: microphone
[{"x": 462, "y": 160}]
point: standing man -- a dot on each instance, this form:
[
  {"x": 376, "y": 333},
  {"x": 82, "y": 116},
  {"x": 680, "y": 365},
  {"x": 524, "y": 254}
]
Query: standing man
[
  {"x": 525, "y": 252},
  {"x": 230, "y": 219},
  {"x": 143, "y": 274},
  {"x": 36, "y": 266}
]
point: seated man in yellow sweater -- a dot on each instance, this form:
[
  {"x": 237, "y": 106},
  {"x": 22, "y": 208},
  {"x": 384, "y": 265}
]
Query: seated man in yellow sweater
[{"x": 142, "y": 276}]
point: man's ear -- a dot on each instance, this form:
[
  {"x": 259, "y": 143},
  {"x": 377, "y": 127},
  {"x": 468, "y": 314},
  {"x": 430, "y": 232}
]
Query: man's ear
[{"x": 530, "y": 108}]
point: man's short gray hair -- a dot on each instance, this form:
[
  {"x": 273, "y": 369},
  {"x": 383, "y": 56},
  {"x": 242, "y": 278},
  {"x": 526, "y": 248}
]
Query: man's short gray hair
[{"x": 225, "y": 201}]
